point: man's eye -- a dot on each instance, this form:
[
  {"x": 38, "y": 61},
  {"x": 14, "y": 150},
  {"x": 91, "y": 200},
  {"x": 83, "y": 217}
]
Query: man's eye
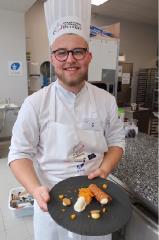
[
  {"x": 61, "y": 53},
  {"x": 79, "y": 52}
]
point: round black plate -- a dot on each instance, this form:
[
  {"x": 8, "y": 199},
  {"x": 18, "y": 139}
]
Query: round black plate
[{"x": 117, "y": 214}]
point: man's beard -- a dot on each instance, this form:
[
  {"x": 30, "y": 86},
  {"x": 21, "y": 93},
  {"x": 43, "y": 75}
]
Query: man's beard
[{"x": 74, "y": 82}]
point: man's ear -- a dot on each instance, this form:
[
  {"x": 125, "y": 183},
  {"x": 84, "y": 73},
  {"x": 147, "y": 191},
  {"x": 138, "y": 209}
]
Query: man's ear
[
  {"x": 51, "y": 56},
  {"x": 51, "y": 59},
  {"x": 90, "y": 56}
]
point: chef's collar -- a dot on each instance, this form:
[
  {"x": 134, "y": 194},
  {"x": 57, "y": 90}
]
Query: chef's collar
[{"x": 69, "y": 96}]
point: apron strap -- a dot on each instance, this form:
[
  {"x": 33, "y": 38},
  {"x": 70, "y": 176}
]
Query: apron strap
[
  {"x": 52, "y": 104},
  {"x": 92, "y": 101}
]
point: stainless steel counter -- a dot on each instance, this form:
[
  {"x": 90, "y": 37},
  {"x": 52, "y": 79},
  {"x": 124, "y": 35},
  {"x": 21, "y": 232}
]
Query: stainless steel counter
[{"x": 4, "y": 108}]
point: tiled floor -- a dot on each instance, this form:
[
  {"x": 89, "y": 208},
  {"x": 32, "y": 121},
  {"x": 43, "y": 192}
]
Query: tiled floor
[{"x": 11, "y": 227}]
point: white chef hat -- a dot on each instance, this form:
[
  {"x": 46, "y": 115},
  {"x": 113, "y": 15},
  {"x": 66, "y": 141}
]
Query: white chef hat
[{"x": 67, "y": 16}]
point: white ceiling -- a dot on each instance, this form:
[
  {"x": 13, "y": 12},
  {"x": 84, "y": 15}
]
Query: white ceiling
[
  {"x": 16, "y": 5},
  {"x": 145, "y": 11}
]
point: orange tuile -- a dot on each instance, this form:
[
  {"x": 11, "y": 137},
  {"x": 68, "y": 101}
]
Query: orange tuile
[
  {"x": 86, "y": 193},
  {"x": 98, "y": 193}
]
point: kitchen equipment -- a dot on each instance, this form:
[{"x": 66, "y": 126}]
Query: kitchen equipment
[
  {"x": 153, "y": 126},
  {"x": 103, "y": 67},
  {"x": 117, "y": 215},
  {"x": 121, "y": 113},
  {"x": 133, "y": 106},
  {"x": 142, "y": 225},
  {"x": 130, "y": 127},
  {"x": 125, "y": 81},
  {"x": 4, "y": 109},
  {"x": 139, "y": 114},
  {"x": 147, "y": 89}
]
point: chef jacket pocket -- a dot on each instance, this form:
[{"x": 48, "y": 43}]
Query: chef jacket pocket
[{"x": 60, "y": 140}]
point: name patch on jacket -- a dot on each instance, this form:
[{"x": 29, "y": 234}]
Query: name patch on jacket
[{"x": 91, "y": 123}]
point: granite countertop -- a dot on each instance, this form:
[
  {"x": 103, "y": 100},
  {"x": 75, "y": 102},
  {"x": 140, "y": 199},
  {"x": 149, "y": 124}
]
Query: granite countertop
[{"x": 138, "y": 169}]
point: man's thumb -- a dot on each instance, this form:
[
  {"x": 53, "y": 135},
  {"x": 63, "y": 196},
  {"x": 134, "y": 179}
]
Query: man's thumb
[{"x": 93, "y": 174}]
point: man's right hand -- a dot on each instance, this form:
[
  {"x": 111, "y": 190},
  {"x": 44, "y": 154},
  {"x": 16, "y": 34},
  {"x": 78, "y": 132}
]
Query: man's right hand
[
  {"x": 25, "y": 173},
  {"x": 41, "y": 194}
]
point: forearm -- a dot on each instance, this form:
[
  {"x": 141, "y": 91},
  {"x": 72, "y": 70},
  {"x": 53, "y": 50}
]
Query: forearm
[
  {"x": 111, "y": 159},
  {"x": 24, "y": 172}
]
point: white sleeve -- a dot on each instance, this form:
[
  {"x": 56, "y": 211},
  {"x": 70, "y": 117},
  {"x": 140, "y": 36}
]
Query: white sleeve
[
  {"x": 25, "y": 134},
  {"x": 114, "y": 132}
]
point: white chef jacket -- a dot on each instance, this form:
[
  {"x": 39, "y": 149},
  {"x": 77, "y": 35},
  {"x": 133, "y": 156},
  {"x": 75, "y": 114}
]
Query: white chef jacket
[
  {"x": 29, "y": 131},
  {"x": 91, "y": 111}
]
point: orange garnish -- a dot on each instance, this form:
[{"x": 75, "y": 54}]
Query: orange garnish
[{"x": 86, "y": 193}]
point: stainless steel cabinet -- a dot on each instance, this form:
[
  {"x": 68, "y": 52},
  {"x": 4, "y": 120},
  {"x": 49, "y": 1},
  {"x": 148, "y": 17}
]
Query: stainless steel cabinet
[{"x": 141, "y": 226}]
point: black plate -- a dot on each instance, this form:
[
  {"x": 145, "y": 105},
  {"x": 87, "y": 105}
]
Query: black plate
[{"x": 117, "y": 214}]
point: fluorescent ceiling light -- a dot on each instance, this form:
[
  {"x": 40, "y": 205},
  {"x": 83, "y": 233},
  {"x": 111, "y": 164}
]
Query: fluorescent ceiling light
[{"x": 98, "y": 2}]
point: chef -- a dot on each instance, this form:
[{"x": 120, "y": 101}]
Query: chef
[{"x": 68, "y": 128}]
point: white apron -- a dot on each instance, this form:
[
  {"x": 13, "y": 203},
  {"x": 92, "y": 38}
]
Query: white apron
[{"x": 70, "y": 150}]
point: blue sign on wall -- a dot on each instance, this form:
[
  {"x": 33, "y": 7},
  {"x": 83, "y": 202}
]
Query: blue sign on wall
[{"x": 14, "y": 68}]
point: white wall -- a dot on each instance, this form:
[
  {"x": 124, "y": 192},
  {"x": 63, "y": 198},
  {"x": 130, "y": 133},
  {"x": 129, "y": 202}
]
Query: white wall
[
  {"x": 12, "y": 48},
  {"x": 36, "y": 33},
  {"x": 36, "y": 43}
]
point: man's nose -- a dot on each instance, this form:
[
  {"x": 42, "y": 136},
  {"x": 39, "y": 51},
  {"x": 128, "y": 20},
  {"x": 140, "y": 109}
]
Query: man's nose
[{"x": 70, "y": 57}]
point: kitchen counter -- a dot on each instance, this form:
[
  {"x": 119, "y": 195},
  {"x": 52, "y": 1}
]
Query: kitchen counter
[
  {"x": 138, "y": 169},
  {"x": 4, "y": 109}
]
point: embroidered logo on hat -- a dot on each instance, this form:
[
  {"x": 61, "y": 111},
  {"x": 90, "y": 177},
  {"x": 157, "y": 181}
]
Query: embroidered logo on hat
[{"x": 67, "y": 25}]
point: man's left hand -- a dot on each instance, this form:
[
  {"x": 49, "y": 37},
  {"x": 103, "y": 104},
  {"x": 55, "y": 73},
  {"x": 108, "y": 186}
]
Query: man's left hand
[{"x": 97, "y": 173}]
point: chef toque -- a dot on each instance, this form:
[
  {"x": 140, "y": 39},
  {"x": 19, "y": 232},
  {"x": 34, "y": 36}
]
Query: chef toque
[{"x": 67, "y": 16}]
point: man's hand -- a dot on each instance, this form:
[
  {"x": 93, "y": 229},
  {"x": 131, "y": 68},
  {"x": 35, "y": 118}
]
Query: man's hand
[
  {"x": 97, "y": 173},
  {"x": 25, "y": 173},
  {"x": 41, "y": 194},
  {"x": 110, "y": 161}
]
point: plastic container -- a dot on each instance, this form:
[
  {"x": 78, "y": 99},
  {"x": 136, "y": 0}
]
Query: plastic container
[
  {"x": 121, "y": 113},
  {"x": 23, "y": 211},
  {"x": 133, "y": 106},
  {"x": 131, "y": 129}
]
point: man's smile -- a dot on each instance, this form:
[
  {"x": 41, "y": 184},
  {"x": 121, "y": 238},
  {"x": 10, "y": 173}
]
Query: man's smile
[{"x": 71, "y": 69}]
